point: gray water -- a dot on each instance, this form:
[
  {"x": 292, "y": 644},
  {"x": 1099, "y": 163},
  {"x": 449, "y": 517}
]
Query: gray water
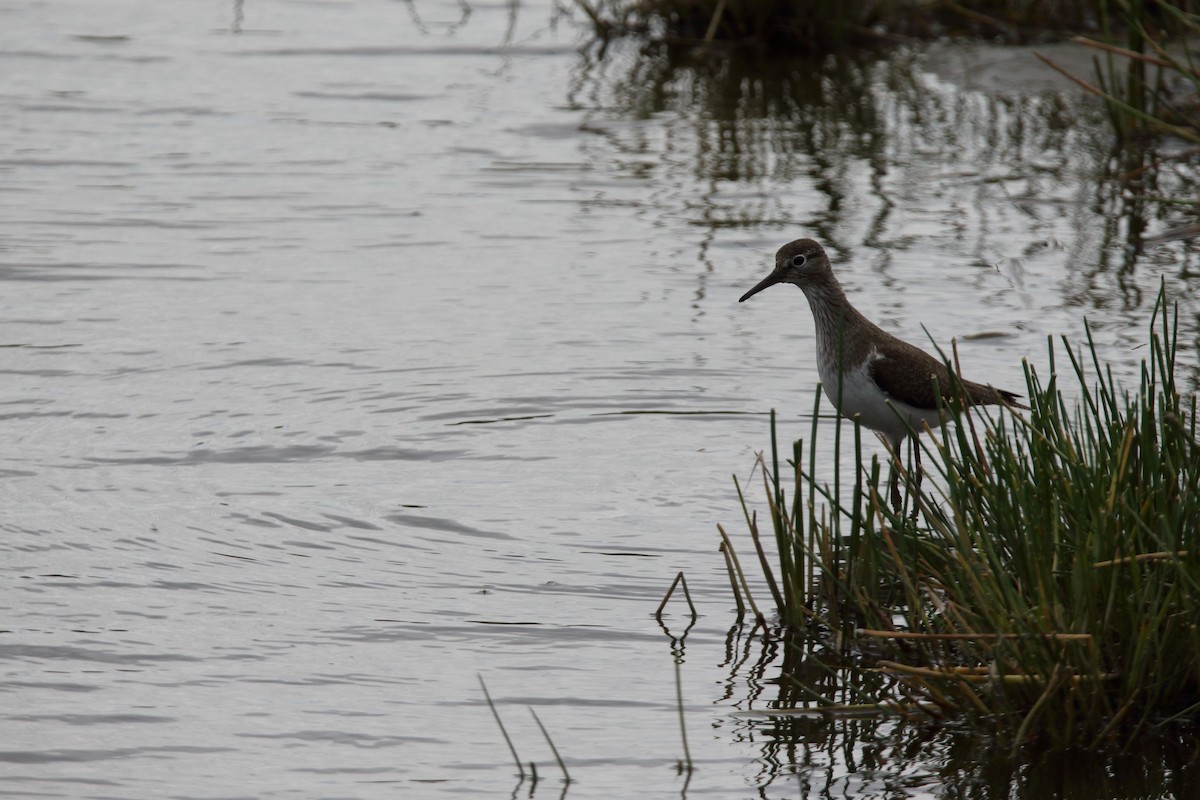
[{"x": 352, "y": 350}]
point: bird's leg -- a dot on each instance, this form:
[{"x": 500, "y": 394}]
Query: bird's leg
[
  {"x": 916, "y": 448},
  {"x": 895, "y": 482},
  {"x": 916, "y": 445}
]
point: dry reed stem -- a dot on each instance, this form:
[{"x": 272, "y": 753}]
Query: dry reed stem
[
  {"x": 714, "y": 22},
  {"x": 1067, "y": 637},
  {"x": 1052, "y": 686},
  {"x": 732, "y": 555},
  {"x": 561, "y": 764},
  {"x": 733, "y": 584},
  {"x": 679, "y": 580},
  {"x": 503, "y": 732},
  {"x": 944, "y": 673},
  {"x": 768, "y": 573},
  {"x": 1122, "y": 51},
  {"x": 1061, "y": 71},
  {"x": 1165, "y": 555}
]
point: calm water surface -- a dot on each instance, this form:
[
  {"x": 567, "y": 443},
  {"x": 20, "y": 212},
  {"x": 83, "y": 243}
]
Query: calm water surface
[{"x": 353, "y": 349}]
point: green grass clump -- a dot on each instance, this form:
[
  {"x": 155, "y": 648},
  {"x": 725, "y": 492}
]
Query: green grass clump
[{"x": 1043, "y": 579}]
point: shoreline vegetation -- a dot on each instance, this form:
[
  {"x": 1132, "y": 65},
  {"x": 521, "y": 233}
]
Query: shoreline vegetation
[
  {"x": 823, "y": 26},
  {"x": 1143, "y": 67},
  {"x": 1042, "y": 584}
]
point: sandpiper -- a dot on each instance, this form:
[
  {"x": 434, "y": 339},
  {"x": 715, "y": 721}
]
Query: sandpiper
[{"x": 868, "y": 374}]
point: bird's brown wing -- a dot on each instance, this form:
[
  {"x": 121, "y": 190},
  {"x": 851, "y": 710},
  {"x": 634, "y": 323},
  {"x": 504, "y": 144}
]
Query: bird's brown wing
[
  {"x": 910, "y": 379},
  {"x": 908, "y": 375}
]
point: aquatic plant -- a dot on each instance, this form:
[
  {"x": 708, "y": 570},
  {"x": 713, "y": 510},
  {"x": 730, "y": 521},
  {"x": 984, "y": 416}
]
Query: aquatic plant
[
  {"x": 1148, "y": 85},
  {"x": 1043, "y": 580},
  {"x": 822, "y": 26}
]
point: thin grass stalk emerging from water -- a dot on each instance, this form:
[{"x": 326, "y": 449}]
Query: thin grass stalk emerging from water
[
  {"x": 1049, "y": 579},
  {"x": 507, "y": 740},
  {"x": 561, "y": 764},
  {"x": 680, "y": 580}
]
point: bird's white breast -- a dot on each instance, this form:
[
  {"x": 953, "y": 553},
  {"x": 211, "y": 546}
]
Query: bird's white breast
[{"x": 862, "y": 397}]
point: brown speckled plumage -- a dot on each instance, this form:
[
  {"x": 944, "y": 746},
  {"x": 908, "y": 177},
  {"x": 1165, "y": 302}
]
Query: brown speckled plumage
[{"x": 850, "y": 346}]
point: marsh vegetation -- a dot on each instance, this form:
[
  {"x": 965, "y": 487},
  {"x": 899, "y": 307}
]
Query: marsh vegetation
[{"x": 1042, "y": 583}]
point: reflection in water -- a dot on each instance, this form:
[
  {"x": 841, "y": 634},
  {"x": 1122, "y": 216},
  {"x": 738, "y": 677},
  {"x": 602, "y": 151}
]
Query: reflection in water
[
  {"x": 888, "y": 160},
  {"x": 449, "y": 27},
  {"x": 685, "y": 765},
  {"x": 874, "y": 132},
  {"x": 848, "y": 755},
  {"x": 750, "y": 122}
]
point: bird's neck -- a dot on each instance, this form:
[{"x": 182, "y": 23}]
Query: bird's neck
[
  {"x": 830, "y": 308},
  {"x": 842, "y": 332}
]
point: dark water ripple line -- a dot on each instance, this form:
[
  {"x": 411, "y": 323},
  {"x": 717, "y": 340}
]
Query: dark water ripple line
[
  {"x": 90, "y": 719},
  {"x": 443, "y": 524},
  {"x": 526, "y": 634},
  {"x": 582, "y": 702},
  {"x": 676, "y": 413},
  {"x": 350, "y": 679},
  {"x": 78, "y": 756},
  {"x": 528, "y": 418},
  {"x": 236, "y": 587},
  {"x": 96, "y": 265},
  {"x": 285, "y": 362},
  {"x": 351, "y": 522},
  {"x": 31, "y": 276},
  {"x": 126, "y": 222},
  {"x": 54, "y": 686},
  {"x": 31, "y": 652},
  {"x": 57, "y": 162},
  {"x": 389, "y": 543},
  {"x": 387, "y": 97},
  {"x": 361, "y": 740},
  {"x": 614, "y": 406},
  {"x": 267, "y": 454},
  {"x": 303, "y": 524},
  {"x": 390, "y": 771}
]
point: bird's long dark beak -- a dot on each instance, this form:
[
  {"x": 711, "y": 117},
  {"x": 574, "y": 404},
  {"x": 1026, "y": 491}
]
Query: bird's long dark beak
[{"x": 775, "y": 277}]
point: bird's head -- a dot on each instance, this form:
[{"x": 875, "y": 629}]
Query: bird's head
[{"x": 800, "y": 262}]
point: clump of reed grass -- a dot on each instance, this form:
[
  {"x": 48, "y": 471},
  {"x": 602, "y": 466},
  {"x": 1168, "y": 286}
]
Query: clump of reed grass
[{"x": 1043, "y": 580}]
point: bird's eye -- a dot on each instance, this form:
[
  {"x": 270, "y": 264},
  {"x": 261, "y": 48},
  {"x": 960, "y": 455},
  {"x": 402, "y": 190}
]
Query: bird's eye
[{"x": 798, "y": 261}]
